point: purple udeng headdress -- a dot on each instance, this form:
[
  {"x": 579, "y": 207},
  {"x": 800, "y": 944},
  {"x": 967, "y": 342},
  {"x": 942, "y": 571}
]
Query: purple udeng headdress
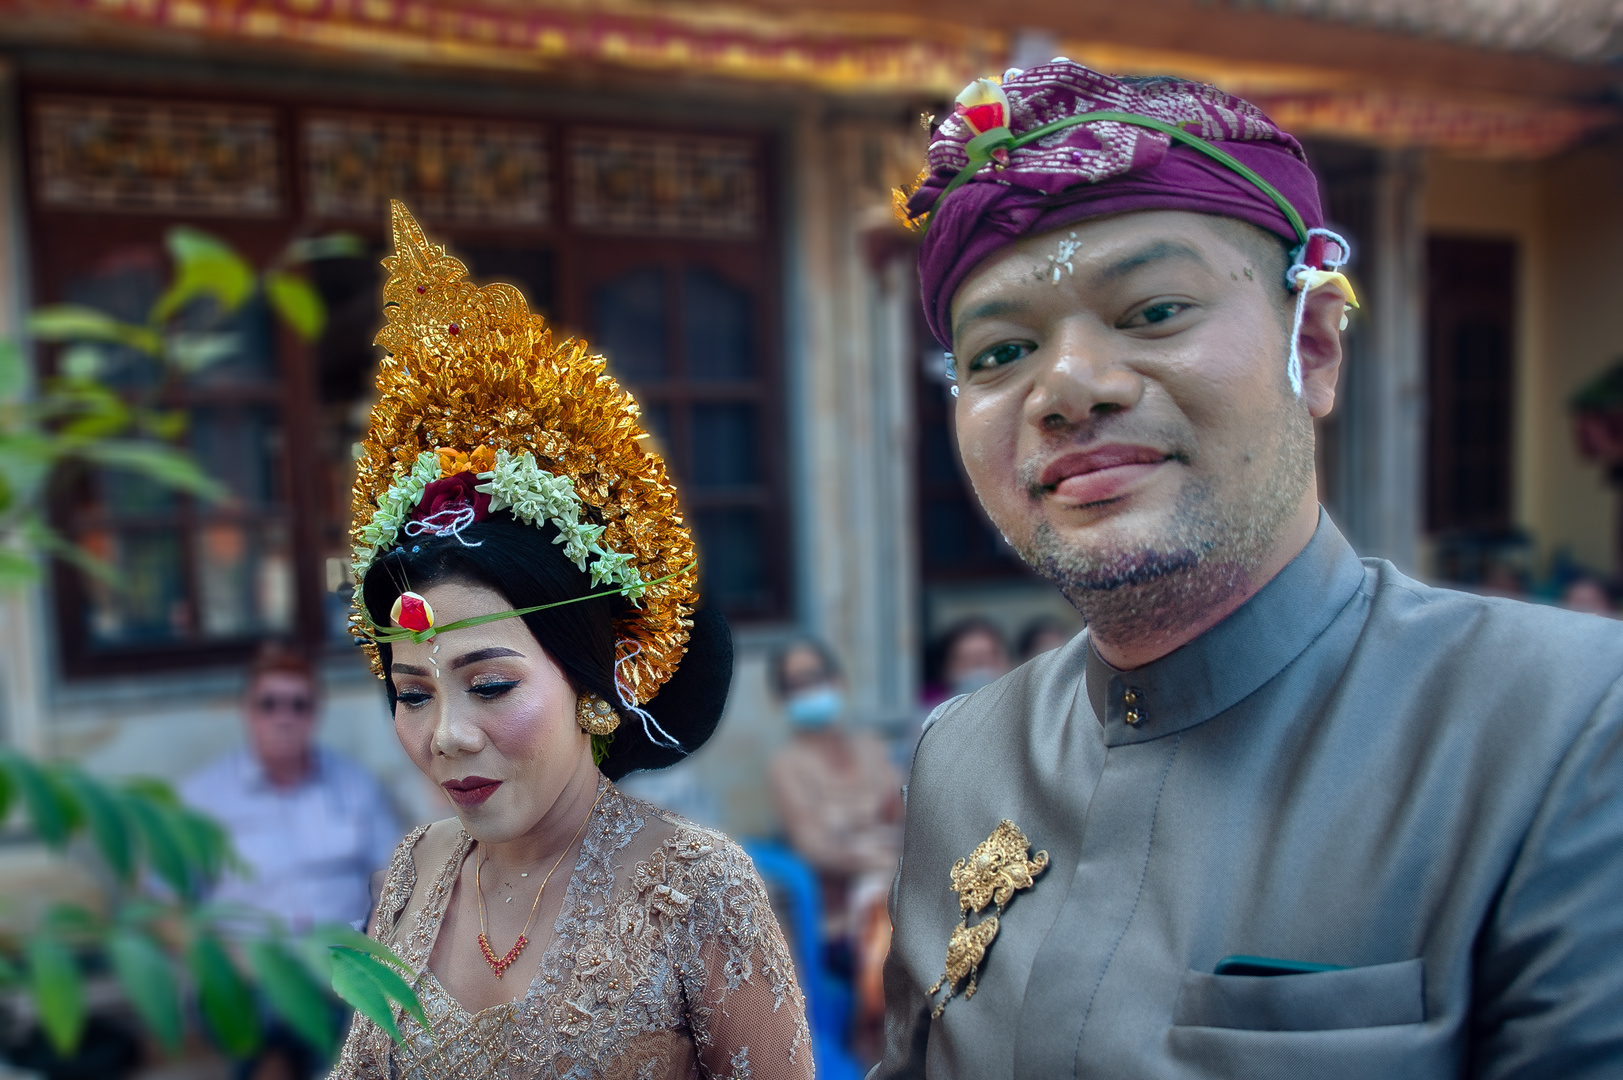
[{"x": 1059, "y": 143}]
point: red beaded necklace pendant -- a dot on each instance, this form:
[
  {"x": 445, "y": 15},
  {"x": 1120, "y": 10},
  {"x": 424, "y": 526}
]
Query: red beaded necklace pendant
[{"x": 500, "y": 966}]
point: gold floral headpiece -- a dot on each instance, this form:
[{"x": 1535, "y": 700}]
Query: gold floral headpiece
[{"x": 475, "y": 391}]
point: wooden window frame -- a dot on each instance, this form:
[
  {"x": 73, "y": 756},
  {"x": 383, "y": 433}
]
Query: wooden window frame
[{"x": 311, "y": 534}]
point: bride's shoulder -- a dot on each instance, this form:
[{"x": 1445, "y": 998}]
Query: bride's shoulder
[{"x": 700, "y": 862}]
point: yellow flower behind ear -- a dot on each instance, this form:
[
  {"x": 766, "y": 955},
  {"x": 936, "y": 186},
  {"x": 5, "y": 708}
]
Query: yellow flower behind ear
[{"x": 482, "y": 460}]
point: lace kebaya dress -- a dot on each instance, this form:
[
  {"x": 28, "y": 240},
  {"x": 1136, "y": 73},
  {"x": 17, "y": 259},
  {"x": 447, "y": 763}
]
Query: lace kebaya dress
[{"x": 666, "y": 964}]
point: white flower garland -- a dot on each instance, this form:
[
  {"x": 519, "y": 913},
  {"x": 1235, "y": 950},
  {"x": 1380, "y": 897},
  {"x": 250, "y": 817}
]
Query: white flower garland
[{"x": 534, "y": 496}]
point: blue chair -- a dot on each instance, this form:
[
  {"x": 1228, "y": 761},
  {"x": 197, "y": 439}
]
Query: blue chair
[{"x": 828, "y": 1000}]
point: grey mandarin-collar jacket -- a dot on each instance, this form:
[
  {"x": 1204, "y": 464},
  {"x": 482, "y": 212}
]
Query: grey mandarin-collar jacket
[{"x": 1420, "y": 787}]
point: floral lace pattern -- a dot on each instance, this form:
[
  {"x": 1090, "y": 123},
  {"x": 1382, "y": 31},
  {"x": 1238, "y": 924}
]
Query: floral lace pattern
[{"x": 666, "y": 963}]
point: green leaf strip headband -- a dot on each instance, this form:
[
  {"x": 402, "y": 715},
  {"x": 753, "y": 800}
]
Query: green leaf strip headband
[
  {"x": 390, "y": 637},
  {"x": 982, "y": 148}
]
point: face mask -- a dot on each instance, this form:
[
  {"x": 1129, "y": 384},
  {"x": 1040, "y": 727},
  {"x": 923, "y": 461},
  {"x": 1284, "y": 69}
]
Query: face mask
[
  {"x": 972, "y": 680},
  {"x": 814, "y": 708}
]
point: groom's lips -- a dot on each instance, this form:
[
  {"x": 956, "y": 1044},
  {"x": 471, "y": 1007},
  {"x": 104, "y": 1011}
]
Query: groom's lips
[
  {"x": 471, "y": 790},
  {"x": 1101, "y": 474}
]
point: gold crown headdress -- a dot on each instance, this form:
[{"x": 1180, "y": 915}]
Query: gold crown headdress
[{"x": 474, "y": 384}]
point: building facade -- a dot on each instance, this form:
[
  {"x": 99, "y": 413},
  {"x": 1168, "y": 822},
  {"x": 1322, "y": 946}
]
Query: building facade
[{"x": 705, "y": 195}]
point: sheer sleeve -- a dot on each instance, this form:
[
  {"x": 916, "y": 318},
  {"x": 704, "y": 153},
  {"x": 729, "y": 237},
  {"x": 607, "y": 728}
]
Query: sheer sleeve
[
  {"x": 747, "y": 1013},
  {"x": 365, "y": 1053}
]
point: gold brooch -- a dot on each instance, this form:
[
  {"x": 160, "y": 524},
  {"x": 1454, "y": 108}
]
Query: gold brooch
[{"x": 993, "y": 873}]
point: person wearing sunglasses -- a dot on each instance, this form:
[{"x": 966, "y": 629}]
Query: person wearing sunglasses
[{"x": 311, "y": 825}]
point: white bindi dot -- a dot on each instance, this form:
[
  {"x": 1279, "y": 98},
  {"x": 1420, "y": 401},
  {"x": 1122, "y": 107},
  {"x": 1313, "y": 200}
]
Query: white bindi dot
[
  {"x": 509, "y": 900},
  {"x": 524, "y": 875}
]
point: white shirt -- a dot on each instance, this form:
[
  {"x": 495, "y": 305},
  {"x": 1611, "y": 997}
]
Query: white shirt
[{"x": 311, "y": 849}]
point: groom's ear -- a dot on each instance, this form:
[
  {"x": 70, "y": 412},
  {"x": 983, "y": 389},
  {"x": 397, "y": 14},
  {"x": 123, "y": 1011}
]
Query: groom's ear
[{"x": 1318, "y": 346}]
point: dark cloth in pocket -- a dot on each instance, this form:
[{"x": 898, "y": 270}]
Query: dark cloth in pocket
[{"x": 1377, "y": 996}]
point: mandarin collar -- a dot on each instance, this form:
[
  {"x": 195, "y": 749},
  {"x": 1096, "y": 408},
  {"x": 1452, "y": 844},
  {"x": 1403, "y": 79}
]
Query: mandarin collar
[{"x": 1234, "y": 658}]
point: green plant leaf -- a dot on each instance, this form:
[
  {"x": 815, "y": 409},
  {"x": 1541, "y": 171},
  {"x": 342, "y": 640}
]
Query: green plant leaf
[
  {"x": 166, "y": 465},
  {"x": 204, "y": 266},
  {"x": 153, "y": 790},
  {"x": 205, "y": 844},
  {"x": 48, "y": 540},
  {"x": 297, "y": 302},
  {"x": 76, "y": 322},
  {"x": 355, "y": 979},
  {"x": 58, "y": 992},
  {"x": 16, "y": 570},
  {"x": 144, "y": 970},
  {"x": 10, "y": 975},
  {"x": 192, "y": 351},
  {"x": 101, "y": 812},
  {"x": 70, "y": 921},
  {"x": 225, "y": 999},
  {"x": 341, "y": 245},
  {"x": 47, "y": 809},
  {"x": 331, "y": 934},
  {"x": 151, "y": 821},
  {"x": 297, "y": 998},
  {"x": 82, "y": 362},
  {"x": 385, "y": 967},
  {"x": 13, "y": 370}
]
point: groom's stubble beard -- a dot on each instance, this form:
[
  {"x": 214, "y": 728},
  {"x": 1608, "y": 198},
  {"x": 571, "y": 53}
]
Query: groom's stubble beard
[{"x": 1210, "y": 548}]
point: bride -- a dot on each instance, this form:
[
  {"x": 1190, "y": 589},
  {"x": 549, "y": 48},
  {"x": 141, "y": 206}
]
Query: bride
[{"x": 526, "y": 591}]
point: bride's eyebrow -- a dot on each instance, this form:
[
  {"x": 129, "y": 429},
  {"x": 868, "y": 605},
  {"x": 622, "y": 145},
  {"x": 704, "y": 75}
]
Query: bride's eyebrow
[
  {"x": 482, "y": 654},
  {"x": 408, "y": 669}
]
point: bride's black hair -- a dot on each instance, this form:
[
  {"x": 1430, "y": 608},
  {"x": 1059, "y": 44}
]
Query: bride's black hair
[{"x": 522, "y": 563}]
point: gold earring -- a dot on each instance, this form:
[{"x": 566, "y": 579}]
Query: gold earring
[{"x": 594, "y": 716}]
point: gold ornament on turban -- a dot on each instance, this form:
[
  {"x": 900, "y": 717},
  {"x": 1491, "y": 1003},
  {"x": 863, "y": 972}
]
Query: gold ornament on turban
[{"x": 474, "y": 383}]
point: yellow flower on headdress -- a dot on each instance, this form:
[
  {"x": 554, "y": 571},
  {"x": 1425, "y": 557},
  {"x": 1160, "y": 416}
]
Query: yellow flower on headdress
[{"x": 474, "y": 382}]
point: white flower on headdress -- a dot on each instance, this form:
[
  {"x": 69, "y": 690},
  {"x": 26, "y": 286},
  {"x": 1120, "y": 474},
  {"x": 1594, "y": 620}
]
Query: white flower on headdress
[{"x": 515, "y": 483}]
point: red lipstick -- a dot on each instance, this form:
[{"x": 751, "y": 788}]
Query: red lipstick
[
  {"x": 1101, "y": 474},
  {"x": 471, "y": 790}
]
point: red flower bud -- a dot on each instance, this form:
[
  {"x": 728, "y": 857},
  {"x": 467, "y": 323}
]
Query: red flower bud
[{"x": 411, "y": 612}]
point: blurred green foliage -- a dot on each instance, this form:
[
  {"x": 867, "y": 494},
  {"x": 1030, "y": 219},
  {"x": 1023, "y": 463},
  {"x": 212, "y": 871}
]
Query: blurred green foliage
[
  {"x": 174, "y": 954},
  {"x": 74, "y": 418}
]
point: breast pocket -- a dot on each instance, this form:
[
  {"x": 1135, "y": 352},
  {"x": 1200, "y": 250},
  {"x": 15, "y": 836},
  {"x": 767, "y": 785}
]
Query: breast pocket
[{"x": 1363, "y": 997}]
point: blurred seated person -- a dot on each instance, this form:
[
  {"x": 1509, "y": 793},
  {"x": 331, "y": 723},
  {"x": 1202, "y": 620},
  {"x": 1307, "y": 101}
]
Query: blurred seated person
[
  {"x": 972, "y": 653},
  {"x": 839, "y": 798},
  {"x": 310, "y": 825},
  {"x": 1586, "y": 593},
  {"x": 1044, "y": 634},
  {"x": 836, "y": 790}
]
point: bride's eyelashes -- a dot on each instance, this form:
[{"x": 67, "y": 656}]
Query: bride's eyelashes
[{"x": 492, "y": 689}]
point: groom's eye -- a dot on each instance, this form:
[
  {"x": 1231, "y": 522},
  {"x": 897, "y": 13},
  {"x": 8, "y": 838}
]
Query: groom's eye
[{"x": 1005, "y": 352}]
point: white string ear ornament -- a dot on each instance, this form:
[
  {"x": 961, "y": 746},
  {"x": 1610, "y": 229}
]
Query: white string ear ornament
[
  {"x": 650, "y": 726},
  {"x": 1316, "y": 262}
]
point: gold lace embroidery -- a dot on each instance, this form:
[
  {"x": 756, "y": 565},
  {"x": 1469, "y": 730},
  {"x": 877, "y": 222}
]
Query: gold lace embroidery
[{"x": 656, "y": 966}]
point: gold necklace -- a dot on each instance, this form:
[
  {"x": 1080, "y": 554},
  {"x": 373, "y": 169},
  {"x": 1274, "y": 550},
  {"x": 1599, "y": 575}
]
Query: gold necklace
[{"x": 500, "y": 964}]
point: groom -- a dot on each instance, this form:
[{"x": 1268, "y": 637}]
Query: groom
[{"x": 1280, "y": 812}]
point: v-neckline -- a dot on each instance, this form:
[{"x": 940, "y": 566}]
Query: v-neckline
[{"x": 445, "y": 886}]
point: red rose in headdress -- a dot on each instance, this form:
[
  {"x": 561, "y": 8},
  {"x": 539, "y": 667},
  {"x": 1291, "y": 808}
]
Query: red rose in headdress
[{"x": 453, "y": 493}]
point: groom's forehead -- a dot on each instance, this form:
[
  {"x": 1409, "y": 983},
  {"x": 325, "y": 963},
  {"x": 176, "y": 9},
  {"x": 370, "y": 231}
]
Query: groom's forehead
[{"x": 1087, "y": 257}]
